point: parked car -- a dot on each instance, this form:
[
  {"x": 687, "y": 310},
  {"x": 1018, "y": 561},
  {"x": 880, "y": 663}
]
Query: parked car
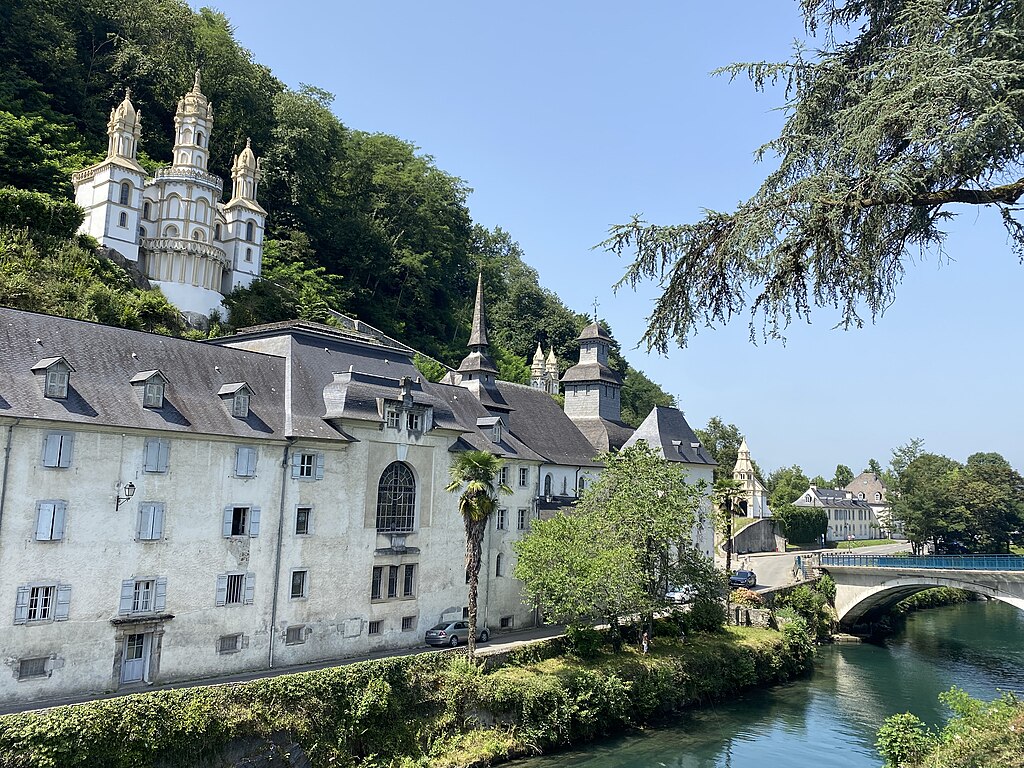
[
  {"x": 453, "y": 633},
  {"x": 743, "y": 579},
  {"x": 681, "y": 595}
]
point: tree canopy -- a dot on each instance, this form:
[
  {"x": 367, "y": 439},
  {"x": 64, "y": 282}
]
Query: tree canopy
[{"x": 904, "y": 113}]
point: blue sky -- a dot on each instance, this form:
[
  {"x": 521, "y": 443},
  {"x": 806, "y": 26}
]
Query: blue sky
[{"x": 566, "y": 118}]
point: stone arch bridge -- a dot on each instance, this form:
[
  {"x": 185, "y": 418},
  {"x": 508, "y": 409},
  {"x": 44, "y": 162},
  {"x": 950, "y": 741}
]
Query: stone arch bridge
[{"x": 868, "y": 586}]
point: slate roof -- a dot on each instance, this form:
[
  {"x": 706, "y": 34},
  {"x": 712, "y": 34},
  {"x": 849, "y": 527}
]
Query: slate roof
[
  {"x": 539, "y": 422},
  {"x": 594, "y": 331},
  {"x": 665, "y": 429},
  {"x": 361, "y": 396},
  {"x": 605, "y": 434},
  {"x": 830, "y": 497},
  {"x": 105, "y": 360},
  {"x": 592, "y": 372},
  {"x": 469, "y": 412}
]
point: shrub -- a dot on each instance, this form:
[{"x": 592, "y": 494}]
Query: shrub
[
  {"x": 42, "y": 215},
  {"x": 583, "y": 642},
  {"x": 903, "y": 740},
  {"x": 706, "y": 615},
  {"x": 826, "y": 586},
  {"x": 747, "y": 598}
]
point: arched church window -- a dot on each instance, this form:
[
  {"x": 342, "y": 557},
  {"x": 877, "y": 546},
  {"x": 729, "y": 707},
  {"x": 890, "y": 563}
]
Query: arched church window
[
  {"x": 250, "y": 231},
  {"x": 396, "y": 499},
  {"x": 199, "y": 138},
  {"x": 147, "y": 210},
  {"x": 248, "y": 254},
  {"x": 216, "y": 232},
  {"x": 170, "y": 231},
  {"x": 126, "y": 193},
  {"x": 547, "y": 485},
  {"x": 122, "y": 220},
  {"x": 198, "y": 236},
  {"x": 142, "y": 231},
  {"x": 499, "y": 565}
]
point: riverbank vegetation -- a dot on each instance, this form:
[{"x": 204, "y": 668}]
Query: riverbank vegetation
[
  {"x": 433, "y": 709},
  {"x": 980, "y": 733}
]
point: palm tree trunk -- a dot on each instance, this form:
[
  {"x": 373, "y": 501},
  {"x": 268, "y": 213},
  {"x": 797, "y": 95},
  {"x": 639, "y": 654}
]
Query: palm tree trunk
[{"x": 475, "y": 530}]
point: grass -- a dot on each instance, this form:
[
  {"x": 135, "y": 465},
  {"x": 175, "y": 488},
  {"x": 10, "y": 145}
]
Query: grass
[{"x": 857, "y": 544}]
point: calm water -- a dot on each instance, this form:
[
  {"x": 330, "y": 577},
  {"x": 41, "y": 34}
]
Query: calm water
[{"x": 831, "y": 719}]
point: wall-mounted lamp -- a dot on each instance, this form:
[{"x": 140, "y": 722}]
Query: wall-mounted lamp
[{"x": 129, "y": 491}]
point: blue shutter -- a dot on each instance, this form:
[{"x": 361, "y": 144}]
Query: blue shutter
[
  {"x": 251, "y": 459},
  {"x": 51, "y": 449},
  {"x": 296, "y": 464},
  {"x": 250, "y": 588},
  {"x": 63, "y": 602},
  {"x": 160, "y": 594},
  {"x": 319, "y": 466},
  {"x": 254, "y": 521},
  {"x": 127, "y": 593},
  {"x": 59, "y": 509},
  {"x": 67, "y": 443},
  {"x": 158, "y": 521},
  {"x": 142, "y": 522},
  {"x": 222, "y": 590},
  {"x": 151, "y": 455},
  {"x": 21, "y": 605},
  {"x": 164, "y": 458},
  {"x": 228, "y": 512},
  {"x": 44, "y": 520}
]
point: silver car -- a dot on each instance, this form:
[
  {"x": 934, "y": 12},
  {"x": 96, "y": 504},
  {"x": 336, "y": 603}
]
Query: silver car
[{"x": 453, "y": 633}]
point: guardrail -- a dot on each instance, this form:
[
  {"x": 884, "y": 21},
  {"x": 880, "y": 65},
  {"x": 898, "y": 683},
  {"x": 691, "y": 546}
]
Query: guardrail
[{"x": 944, "y": 562}]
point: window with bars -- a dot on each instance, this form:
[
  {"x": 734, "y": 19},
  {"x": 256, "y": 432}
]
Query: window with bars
[
  {"x": 229, "y": 643},
  {"x": 396, "y": 499},
  {"x": 236, "y": 588},
  {"x": 300, "y": 584},
  {"x": 28, "y": 668},
  {"x": 409, "y": 580},
  {"x": 392, "y": 581},
  {"x": 375, "y": 627},
  {"x": 408, "y": 623}
]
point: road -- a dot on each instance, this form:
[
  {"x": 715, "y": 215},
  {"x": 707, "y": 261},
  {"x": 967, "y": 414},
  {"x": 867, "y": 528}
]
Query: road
[{"x": 775, "y": 569}]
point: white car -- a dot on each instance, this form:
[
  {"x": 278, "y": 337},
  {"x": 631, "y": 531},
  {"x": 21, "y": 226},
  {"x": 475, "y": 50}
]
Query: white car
[{"x": 681, "y": 595}]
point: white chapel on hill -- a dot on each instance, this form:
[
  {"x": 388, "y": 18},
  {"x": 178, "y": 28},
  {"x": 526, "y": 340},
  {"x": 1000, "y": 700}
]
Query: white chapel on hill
[{"x": 173, "y": 224}]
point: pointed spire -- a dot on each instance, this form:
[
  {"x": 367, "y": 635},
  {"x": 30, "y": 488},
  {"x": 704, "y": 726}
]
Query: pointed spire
[
  {"x": 552, "y": 362},
  {"x": 478, "y": 338},
  {"x": 743, "y": 447}
]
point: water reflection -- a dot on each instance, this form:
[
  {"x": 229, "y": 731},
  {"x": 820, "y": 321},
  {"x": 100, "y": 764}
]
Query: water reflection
[{"x": 830, "y": 720}]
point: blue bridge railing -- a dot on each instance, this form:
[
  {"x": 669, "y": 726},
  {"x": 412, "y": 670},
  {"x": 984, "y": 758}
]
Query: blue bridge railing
[{"x": 944, "y": 562}]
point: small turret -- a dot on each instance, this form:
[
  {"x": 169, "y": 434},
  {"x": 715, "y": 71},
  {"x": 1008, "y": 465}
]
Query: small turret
[
  {"x": 193, "y": 123},
  {"x": 537, "y": 369},
  {"x": 124, "y": 129},
  {"x": 245, "y": 174},
  {"x": 477, "y": 369}
]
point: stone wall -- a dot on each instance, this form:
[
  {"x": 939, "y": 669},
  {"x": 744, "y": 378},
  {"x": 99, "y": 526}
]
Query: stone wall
[{"x": 761, "y": 536}]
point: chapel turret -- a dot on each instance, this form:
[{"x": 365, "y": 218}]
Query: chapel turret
[
  {"x": 591, "y": 387},
  {"x": 193, "y": 124}
]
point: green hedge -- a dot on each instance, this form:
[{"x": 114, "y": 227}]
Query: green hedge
[
  {"x": 40, "y": 213},
  {"x": 435, "y": 709}
]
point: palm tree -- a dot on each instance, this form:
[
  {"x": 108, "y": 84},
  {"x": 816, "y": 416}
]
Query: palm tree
[
  {"x": 726, "y": 496},
  {"x": 474, "y": 474}
]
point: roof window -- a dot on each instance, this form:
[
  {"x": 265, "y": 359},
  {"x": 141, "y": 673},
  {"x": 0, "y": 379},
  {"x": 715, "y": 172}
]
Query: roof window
[
  {"x": 56, "y": 376},
  {"x": 239, "y": 394},
  {"x": 153, "y": 384}
]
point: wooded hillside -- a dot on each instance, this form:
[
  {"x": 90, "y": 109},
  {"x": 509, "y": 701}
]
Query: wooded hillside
[{"x": 359, "y": 222}]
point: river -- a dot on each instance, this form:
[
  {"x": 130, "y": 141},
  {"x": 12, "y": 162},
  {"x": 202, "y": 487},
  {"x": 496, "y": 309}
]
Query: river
[{"x": 831, "y": 718}]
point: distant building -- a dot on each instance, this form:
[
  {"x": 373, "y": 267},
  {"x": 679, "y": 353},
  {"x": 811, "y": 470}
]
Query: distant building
[
  {"x": 187, "y": 242},
  {"x": 849, "y": 518},
  {"x": 755, "y": 501},
  {"x": 869, "y": 487}
]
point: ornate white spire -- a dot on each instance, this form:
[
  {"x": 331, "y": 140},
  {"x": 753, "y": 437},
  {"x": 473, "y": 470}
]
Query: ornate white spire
[
  {"x": 551, "y": 366},
  {"x": 124, "y": 129},
  {"x": 193, "y": 123},
  {"x": 245, "y": 174},
  {"x": 537, "y": 368}
]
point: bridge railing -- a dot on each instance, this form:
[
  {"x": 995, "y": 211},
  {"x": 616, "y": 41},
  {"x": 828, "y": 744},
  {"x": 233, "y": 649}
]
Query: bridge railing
[{"x": 944, "y": 562}]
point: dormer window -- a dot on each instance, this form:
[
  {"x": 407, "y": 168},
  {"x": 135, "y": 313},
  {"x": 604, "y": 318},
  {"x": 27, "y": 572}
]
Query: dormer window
[
  {"x": 496, "y": 433},
  {"x": 56, "y": 376},
  {"x": 239, "y": 395},
  {"x": 414, "y": 421},
  {"x": 393, "y": 418},
  {"x": 153, "y": 384}
]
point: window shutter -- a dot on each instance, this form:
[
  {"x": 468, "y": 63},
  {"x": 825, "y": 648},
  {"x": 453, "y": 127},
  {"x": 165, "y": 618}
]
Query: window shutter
[
  {"x": 44, "y": 520},
  {"x": 144, "y": 522},
  {"x": 150, "y": 454},
  {"x": 59, "y": 509},
  {"x": 127, "y": 593},
  {"x": 222, "y": 590},
  {"x": 228, "y": 511},
  {"x": 63, "y": 602},
  {"x": 164, "y": 459},
  {"x": 241, "y": 461},
  {"x": 51, "y": 449},
  {"x": 296, "y": 464},
  {"x": 160, "y": 594},
  {"x": 158, "y": 521},
  {"x": 319, "y": 466},
  {"x": 250, "y": 588},
  {"x": 21, "y": 606},
  {"x": 251, "y": 462},
  {"x": 254, "y": 521},
  {"x": 67, "y": 442}
]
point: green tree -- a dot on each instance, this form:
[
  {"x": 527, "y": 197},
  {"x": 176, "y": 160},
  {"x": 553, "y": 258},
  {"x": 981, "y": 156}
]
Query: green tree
[
  {"x": 640, "y": 395},
  {"x": 903, "y": 113},
  {"x": 989, "y": 495},
  {"x": 802, "y": 525},
  {"x": 785, "y": 486},
  {"x": 620, "y": 549},
  {"x": 722, "y": 441},
  {"x": 924, "y": 504},
  {"x": 726, "y": 496},
  {"x": 473, "y": 476},
  {"x": 843, "y": 476},
  {"x": 874, "y": 466}
]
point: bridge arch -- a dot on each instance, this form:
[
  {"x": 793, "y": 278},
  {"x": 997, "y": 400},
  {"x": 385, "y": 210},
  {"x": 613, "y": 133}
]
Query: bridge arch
[{"x": 861, "y": 600}]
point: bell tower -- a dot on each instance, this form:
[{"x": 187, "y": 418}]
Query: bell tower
[{"x": 193, "y": 123}]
